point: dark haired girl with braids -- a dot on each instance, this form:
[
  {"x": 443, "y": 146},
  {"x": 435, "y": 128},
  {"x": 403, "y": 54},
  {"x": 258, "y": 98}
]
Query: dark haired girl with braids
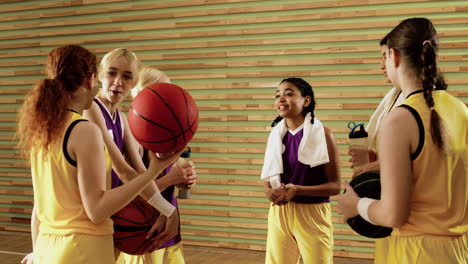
[
  {"x": 70, "y": 166},
  {"x": 301, "y": 171},
  {"x": 423, "y": 155}
]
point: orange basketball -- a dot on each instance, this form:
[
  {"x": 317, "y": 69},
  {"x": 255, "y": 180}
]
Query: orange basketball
[
  {"x": 131, "y": 225},
  {"x": 163, "y": 117}
]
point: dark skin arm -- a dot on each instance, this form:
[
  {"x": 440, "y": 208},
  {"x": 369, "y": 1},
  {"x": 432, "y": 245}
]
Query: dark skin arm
[{"x": 332, "y": 170}]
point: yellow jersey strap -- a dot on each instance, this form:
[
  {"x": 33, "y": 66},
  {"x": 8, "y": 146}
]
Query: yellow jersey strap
[{"x": 65, "y": 141}]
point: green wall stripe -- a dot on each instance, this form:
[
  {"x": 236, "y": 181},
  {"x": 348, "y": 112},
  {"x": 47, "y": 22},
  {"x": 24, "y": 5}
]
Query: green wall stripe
[{"x": 235, "y": 40}]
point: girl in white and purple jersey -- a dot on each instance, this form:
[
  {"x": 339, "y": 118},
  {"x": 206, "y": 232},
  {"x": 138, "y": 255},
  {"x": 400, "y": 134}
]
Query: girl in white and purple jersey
[
  {"x": 301, "y": 171},
  {"x": 119, "y": 72}
]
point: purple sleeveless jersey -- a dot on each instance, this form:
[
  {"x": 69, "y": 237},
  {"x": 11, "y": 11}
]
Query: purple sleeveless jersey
[
  {"x": 115, "y": 129},
  {"x": 168, "y": 194},
  {"x": 298, "y": 173}
]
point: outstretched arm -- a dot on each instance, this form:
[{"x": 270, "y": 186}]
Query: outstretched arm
[
  {"x": 121, "y": 167},
  {"x": 130, "y": 148},
  {"x": 100, "y": 203}
]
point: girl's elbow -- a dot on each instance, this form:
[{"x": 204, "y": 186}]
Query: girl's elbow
[
  {"x": 392, "y": 223},
  {"x": 335, "y": 192},
  {"x": 396, "y": 220},
  {"x": 336, "y": 188},
  {"x": 96, "y": 218}
]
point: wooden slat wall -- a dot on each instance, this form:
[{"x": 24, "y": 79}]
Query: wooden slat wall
[{"x": 230, "y": 55}]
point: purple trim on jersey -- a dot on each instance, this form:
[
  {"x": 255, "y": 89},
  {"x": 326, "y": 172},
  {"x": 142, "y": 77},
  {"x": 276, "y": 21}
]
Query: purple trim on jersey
[
  {"x": 298, "y": 173},
  {"x": 168, "y": 194},
  {"x": 117, "y": 132}
]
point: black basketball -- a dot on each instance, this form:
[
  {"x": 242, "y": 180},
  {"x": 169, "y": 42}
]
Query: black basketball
[{"x": 367, "y": 184}]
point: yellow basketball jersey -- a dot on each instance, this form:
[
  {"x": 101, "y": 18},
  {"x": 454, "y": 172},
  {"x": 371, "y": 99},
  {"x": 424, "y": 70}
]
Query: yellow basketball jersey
[
  {"x": 439, "y": 201},
  {"x": 56, "y": 194}
]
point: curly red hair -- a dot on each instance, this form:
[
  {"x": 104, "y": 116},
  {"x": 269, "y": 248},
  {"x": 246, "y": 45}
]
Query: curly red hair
[{"x": 44, "y": 111}]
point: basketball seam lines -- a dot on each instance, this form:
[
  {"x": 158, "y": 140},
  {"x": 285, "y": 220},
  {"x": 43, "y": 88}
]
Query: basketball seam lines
[
  {"x": 156, "y": 124},
  {"x": 366, "y": 181},
  {"x": 188, "y": 117},
  {"x": 130, "y": 236},
  {"x": 165, "y": 140},
  {"x": 170, "y": 109}
]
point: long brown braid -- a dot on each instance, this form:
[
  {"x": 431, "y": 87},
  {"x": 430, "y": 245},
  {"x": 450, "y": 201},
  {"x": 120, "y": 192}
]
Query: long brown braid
[{"x": 416, "y": 40}]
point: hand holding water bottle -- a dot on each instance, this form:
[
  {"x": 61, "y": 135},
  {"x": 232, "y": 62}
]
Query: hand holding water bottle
[
  {"x": 358, "y": 148},
  {"x": 184, "y": 161}
]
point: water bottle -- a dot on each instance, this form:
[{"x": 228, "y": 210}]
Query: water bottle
[
  {"x": 184, "y": 191},
  {"x": 359, "y": 144}
]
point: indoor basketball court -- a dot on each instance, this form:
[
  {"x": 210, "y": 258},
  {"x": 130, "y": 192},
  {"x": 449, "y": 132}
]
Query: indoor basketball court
[{"x": 225, "y": 60}]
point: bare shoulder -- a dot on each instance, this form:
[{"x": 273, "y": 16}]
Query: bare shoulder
[
  {"x": 399, "y": 119},
  {"x": 93, "y": 113},
  {"x": 126, "y": 126},
  {"x": 85, "y": 137},
  {"x": 399, "y": 126},
  {"x": 94, "y": 108},
  {"x": 85, "y": 131},
  {"x": 123, "y": 116},
  {"x": 328, "y": 133},
  {"x": 329, "y": 137}
]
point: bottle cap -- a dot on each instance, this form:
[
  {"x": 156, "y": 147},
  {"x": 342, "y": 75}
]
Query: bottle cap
[
  {"x": 186, "y": 154},
  {"x": 355, "y": 133}
]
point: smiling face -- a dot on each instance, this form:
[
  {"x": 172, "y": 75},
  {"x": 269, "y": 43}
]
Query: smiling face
[
  {"x": 117, "y": 80},
  {"x": 289, "y": 101}
]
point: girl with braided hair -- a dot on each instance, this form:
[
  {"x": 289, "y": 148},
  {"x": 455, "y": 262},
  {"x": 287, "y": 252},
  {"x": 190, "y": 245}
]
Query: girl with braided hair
[
  {"x": 301, "y": 172},
  {"x": 423, "y": 156}
]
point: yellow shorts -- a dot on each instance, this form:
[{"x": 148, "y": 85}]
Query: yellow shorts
[
  {"x": 170, "y": 255},
  {"x": 424, "y": 249},
  {"x": 74, "y": 249},
  {"x": 302, "y": 230},
  {"x": 380, "y": 249}
]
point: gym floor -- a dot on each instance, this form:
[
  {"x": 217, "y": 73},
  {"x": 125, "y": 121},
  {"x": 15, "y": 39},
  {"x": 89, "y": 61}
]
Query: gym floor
[{"x": 14, "y": 245}]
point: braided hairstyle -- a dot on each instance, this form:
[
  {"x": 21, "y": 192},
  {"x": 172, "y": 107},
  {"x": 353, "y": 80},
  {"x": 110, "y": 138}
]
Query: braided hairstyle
[
  {"x": 306, "y": 90},
  {"x": 416, "y": 40}
]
